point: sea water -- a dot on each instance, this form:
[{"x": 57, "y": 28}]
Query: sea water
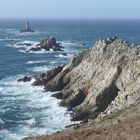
[{"x": 29, "y": 111}]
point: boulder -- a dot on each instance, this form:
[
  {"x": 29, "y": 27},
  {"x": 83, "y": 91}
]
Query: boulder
[
  {"x": 25, "y": 79},
  {"x": 48, "y": 44}
]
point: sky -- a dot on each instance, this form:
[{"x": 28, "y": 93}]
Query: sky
[{"x": 70, "y": 9}]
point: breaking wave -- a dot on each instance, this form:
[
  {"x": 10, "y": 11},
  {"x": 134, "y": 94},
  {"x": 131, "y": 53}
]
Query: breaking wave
[
  {"x": 26, "y": 111},
  {"x": 36, "y": 62}
]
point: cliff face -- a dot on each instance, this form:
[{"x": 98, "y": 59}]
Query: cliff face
[
  {"x": 98, "y": 81},
  {"x": 102, "y": 86}
]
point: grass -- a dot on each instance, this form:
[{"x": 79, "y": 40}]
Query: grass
[{"x": 130, "y": 112}]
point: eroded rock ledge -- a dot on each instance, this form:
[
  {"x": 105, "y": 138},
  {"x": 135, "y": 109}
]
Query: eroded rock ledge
[{"x": 98, "y": 81}]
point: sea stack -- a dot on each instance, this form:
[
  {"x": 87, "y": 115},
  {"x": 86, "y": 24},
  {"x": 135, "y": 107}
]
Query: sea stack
[{"x": 27, "y": 28}]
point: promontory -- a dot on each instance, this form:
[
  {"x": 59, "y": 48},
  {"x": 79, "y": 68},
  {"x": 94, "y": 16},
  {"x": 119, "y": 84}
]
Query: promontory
[{"x": 101, "y": 86}]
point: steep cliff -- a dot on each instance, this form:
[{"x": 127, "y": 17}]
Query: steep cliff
[
  {"x": 101, "y": 85},
  {"x": 98, "y": 81}
]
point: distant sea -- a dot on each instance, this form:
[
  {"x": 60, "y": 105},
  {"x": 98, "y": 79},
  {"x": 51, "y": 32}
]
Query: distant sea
[{"x": 26, "y": 110}]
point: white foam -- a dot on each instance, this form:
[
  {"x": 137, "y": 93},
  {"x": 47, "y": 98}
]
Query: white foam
[
  {"x": 51, "y": 50},
  {"x": 38, "y": 52},
  {"x": 18, "y": 44},
  {"x": 30, "y": 121},
  {"x": 43, "y": 114},
  {"x": 65, "y": 56},
  {"x": 28, "y": 33},
  {"x": 10, "y": 31},
  {"x": 10, "y": 39},
  {"x": 70, "y": 47},
  {"x": 68, "y": 43},
  {"x": 36, "y": 62},
  {"x": 1, "y": 121},
  {"x": 39, "y": 69},
  {"x": 29, "y": 41},
  {"x": 1, "y": 89},
  {"x": 25, "y": 49},
  {"x": 53, "y": 62}
]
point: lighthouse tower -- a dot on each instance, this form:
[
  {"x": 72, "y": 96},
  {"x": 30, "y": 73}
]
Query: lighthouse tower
[
  {"x": 27, "y": 25},
  {"x": 26, "y": 29}
]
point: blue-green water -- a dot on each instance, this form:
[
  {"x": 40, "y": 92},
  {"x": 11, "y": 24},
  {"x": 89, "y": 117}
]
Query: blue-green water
[{"x": 27, "y": 110}]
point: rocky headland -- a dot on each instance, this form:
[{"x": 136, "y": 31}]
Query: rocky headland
[
  {"x": 47, "y": 44},
  {"x": 101, "y": 85}
]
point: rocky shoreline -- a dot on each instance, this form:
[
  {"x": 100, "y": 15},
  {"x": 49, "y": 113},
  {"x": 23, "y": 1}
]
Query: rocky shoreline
[{"x": 97, "y": 82}]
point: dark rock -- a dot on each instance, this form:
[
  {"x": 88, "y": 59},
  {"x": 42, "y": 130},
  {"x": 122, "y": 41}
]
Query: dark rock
[
  {"x": 58, "y": 82},
  {"x": 70, "y": 109},
  {"x": 43, "y": 78},
  {"x": 80, "y": 116},
  {"x": 65, "y": 54},
  {"x": 24, "y": 44},
  {"x": 48, "y": 44},
  {"x": 34, "y": 49},
  {"x": 75, "y": 100},
  {"x": 110, "y": 40},
  {"x": 58, "y": 95},
  {"x": 25, "y": 79},
  {"x": 25, "y": 30}
]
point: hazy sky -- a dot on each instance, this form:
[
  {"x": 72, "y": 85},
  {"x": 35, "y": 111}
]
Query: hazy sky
[{"x": 70, "y": 9}]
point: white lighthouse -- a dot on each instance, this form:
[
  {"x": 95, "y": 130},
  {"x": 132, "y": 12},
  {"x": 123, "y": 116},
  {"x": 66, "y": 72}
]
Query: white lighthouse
[
  {"x": 27, "y": 28},
  {"x": 27, "y": 25}
]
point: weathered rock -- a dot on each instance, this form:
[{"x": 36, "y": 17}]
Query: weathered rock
[
  {"x": 24, "y": 44},
  {"x": 64, "y": 54},
  {"x": 43, "y": 78},
  {"x": 48, "y": 44},
  {"x": 25, "y": 79},
  {"x": 58, "y": 82},
  {"x": 58, "y": 95},
  {"x": 74, "y": 100},
  {"x": 100, "y": 80}
]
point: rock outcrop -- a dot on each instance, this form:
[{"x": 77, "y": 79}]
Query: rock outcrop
[
  {"x": 47, "y": 44},
  {"x": 25, "y": 79},
  {"x": 98, "y": 81},
  {"x": 43, "y": 78}
]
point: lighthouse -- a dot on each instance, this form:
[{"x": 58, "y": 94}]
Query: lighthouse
[
  {"x": 27, "y": 25},
  {"x": 26, "y": 29}
]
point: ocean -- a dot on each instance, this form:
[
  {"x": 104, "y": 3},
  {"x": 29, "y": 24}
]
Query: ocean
[{"x": 29, "y": 111}]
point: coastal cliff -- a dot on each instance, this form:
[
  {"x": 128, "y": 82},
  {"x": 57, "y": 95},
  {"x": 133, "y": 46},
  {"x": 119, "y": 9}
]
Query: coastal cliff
[{"x": 98, "y": 82}]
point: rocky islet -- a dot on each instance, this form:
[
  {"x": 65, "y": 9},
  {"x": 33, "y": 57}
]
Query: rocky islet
[{"x": 47, "y": 44}]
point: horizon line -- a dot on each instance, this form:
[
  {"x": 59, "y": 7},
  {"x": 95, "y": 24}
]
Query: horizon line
[{"x": 38, "y": 18}]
